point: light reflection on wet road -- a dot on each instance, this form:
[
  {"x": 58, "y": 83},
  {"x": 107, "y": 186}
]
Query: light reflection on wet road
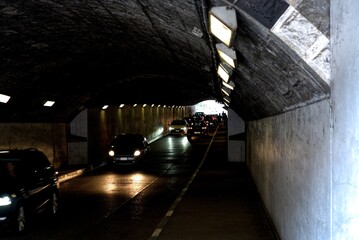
[{"x": 126, "y": 203}]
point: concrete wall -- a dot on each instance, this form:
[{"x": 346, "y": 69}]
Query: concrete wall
[
  {"x": 289, "y": 159},
  {"x": 236, "y": 140},
  {"x": 305, "y": 163},
  {"x": 345, "y": 107},
  {"x": 152, "y": 122},
  {"x": 77, "y": 140},
  {"x": 48, "y": 138},
  {"x": 84, "y": 140}
]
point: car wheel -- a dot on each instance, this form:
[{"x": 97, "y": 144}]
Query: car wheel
[{"x": 20, "y": 221}]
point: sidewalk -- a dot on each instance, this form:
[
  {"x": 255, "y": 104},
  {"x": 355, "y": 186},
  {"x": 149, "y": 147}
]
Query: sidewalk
[
  {"x": 75, "y": 171},
  {"x": 220, "y": 202}
]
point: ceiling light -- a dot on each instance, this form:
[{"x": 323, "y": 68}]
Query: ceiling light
[
  {"x": 227, "y": 92},
  {"x": 227, "y": 54},
  {"x": 227, "y": 99},
  {"x": 229, "y": 85},
  {"x": 224, "y": 71},
  {"x": 104, "y": 107},
  {"x": 4, "y": 98},
  {"x": 223, "y": 24},
  {"x": 49, "y": 103}
]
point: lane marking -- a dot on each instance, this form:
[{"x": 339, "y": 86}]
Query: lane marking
[{"x": 170, "y": 212}]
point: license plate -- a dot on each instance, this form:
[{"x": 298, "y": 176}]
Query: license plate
[
  {"x": 123, "y": 159},
  {"x": 197, "y": 132}
]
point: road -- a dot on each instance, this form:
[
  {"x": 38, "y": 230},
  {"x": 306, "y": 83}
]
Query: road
[{"x": 122, "y": 203}]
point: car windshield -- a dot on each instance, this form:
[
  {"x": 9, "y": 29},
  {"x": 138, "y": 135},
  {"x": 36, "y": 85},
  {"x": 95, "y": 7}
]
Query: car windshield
[
  {"x": 127, "y": 139},
  {"x": 178, "y": 122},
  {"x": 8, "y": 167},
  {"x": 198, "y": 123}
]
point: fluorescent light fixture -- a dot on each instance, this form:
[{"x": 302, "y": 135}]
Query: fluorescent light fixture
[
  {"x": 134, "y": 105},
  {"x": 4, "y": 98},
  {"x": 105, "y": 107},
  {"x": 121, "y": 105},
  {"x": 227, "y": 99},
  {"x": 227, "y": 92},
  {"x": 144, "y": 105},
  {"x": 49, "y": 103},
  {"x": 227, "y": 54},
  {"x": 224, "y": 71},
  {"x": 229, "y": 85},
  {"x": 223, "y": 24}
]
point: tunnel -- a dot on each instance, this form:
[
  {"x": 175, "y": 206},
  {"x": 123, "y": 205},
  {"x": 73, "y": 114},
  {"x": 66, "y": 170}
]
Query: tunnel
[{"x": 290, "y": 93}]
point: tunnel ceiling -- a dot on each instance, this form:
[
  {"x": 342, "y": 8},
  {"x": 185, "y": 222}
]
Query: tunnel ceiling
[{"x": 84, "y": 54}]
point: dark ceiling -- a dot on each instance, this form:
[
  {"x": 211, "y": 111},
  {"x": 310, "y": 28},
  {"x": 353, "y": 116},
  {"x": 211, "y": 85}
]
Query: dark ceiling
[{"x": 87, "y": 53}]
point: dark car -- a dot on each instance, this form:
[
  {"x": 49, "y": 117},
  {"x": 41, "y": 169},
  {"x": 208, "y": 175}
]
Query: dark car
[
  {"x": 197, "y": 129},
  {"x": 28, "y": 186},
  {"x": 188, "y": 119},
  {"x": 128, "y": 149},
  {"x": 211, "y": 120}
]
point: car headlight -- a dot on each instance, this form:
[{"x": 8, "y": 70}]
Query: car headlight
[
  {"x": 137, "y": 153},
  {"x": 5, "y": 201},
  {"x": 111, "y": 153},
  {"x": 183, "y": 128},
  {"x": 171, "y": 128}
]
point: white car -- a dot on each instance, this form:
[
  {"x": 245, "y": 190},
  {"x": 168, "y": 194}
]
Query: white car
[{"x": 178, "y": 126}]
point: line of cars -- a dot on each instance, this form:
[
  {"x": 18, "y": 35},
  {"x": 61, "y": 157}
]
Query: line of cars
[
  {"x": 129, "y": 149},
  {"x": 198, "y": 125},
  {"x": 29, "y": 183}
]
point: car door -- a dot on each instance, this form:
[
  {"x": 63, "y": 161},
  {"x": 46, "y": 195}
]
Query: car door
[{"x": 39, "y": 186}]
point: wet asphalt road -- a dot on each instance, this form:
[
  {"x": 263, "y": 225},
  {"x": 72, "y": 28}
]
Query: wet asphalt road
[{"x": 122, "y": 203}]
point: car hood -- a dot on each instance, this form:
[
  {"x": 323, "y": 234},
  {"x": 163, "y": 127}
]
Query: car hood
[
  {"x": 8, "y": 186},
  {"x": 178, "y": 126}
]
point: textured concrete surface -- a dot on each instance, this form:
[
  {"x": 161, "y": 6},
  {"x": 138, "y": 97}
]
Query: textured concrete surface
[
  {"x": 345, "y": 120},
  {"x": 289, "y": 157},
  {"x": 84, "y": 54}
]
